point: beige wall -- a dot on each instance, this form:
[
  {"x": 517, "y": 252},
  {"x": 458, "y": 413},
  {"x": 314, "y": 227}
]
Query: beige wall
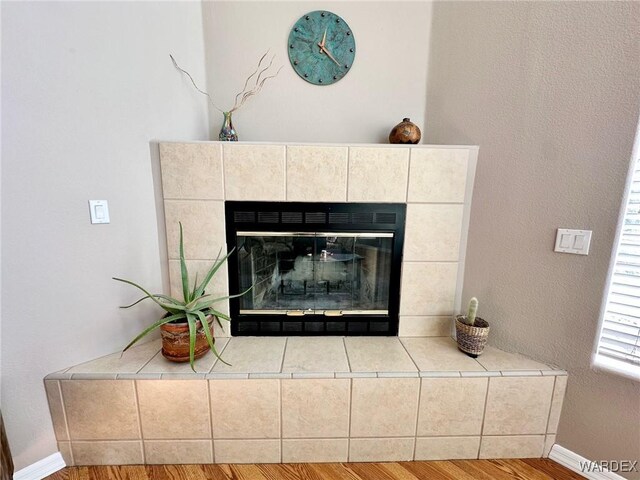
[
  {"x": 551, "y": 93},
  {"x": 85, "y": 87},
  {"x": 385, "y": 84}
]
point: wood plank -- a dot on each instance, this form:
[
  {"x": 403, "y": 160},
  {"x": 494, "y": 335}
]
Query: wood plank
[
  {"x": 333, "y": 471},
  {"x": 553, "y": 469}
]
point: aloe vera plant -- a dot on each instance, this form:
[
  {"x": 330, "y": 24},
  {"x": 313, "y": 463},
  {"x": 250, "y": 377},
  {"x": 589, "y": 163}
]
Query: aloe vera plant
[
  {"x": 195, "y": 305},
  {"x": 472, "y": 311}
]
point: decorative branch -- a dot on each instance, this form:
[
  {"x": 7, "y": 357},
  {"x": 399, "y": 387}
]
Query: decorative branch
[
  {"x": 175, "y": 64},
  {"x": 246, "y": 92}
]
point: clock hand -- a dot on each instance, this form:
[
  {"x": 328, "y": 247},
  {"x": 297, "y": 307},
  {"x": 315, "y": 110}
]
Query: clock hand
[
  {"x": 324, "y": 38},
  {"x": 323, "y": 49}
]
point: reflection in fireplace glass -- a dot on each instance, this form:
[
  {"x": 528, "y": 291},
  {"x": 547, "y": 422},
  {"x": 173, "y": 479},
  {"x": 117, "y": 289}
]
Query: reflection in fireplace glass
[{"x": 320, "y": 272}]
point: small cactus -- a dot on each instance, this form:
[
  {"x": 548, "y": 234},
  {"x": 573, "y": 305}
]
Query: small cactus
[{"x": 473, "y": 310}]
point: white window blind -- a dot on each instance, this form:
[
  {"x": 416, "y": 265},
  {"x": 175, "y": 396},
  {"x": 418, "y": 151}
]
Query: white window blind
[{"x": 619, "y": 341}]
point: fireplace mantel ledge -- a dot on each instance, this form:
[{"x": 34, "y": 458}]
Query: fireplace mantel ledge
[{"x": 313, "y": 357}]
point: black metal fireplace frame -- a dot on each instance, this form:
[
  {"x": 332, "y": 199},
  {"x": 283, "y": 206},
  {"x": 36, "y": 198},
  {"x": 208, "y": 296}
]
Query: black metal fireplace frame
[{"x": 312, "y": 217}]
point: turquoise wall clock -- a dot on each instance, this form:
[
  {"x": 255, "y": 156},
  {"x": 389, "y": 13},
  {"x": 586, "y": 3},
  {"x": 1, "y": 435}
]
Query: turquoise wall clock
[{"x": 321, "y": 47}]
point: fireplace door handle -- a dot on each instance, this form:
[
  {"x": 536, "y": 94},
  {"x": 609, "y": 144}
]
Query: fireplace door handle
[
  {"x": 333, "y": 313},
  {"x": 299, "y": 313}
]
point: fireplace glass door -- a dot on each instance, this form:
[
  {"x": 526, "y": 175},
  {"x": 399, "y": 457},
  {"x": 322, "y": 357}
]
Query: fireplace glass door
[{"x": 314, "y": 273}]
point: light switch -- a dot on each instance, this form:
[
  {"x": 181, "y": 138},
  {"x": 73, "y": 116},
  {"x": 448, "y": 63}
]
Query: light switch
[
  {"x": 99, "y": 211},
  {"x": 573, "y": 241}
]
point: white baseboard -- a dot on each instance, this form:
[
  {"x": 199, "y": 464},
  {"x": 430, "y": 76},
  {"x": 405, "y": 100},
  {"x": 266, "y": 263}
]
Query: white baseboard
[
  {"x": 41, "y": 469},
  {"x": 572, "y": 461}
]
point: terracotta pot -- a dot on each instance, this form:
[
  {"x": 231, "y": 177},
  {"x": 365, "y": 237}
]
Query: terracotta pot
[
  {"x": 175, "y": 340},
  {"x": 471, "y": 340},
  {"x": 405, "y": 132}
]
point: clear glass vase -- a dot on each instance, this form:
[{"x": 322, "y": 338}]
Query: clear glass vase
[{"x": 227, "y": 132}]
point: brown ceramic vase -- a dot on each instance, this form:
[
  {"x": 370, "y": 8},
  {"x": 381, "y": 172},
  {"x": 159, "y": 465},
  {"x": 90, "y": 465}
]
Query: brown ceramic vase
[
  {"x": 175, "y": 340},
  {"x": 405, "y": 132}
]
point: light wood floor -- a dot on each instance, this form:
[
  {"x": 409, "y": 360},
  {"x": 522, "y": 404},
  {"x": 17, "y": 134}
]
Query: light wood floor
[{"x": 536, "y": 469}]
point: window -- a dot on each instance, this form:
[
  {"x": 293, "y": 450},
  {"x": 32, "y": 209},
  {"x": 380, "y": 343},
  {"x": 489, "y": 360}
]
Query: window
[{"x": 618, "y": 345}]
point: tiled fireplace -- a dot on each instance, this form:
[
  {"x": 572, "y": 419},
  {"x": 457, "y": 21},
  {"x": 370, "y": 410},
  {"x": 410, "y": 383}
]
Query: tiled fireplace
[
  {"x": 315, "y": 398},
  {"x": 434, "y": 182}
]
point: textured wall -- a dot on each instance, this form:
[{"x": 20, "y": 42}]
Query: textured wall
[
  {"x": 385, "y": 84},
  {"x": 551, "y": 93},
  {"x": 85, "y": 87}
]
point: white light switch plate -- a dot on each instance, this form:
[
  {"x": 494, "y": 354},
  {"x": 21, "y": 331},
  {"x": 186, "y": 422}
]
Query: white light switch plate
[
  {"x": 99, "y": 210},
  {"x": 573, "y": 241}
]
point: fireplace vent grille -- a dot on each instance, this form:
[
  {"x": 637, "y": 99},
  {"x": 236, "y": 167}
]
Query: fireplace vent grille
[{"x": 316, "y": 218}]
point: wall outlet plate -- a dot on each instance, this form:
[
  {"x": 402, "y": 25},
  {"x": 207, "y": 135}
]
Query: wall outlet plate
[
  {"x": 99, "y": 211},
  {"x": 573, "y": 241}
]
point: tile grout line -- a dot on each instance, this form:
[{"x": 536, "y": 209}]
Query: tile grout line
[
  {"x": 66, "y": 422},
  {"x": 409, "y": 355},
  {"x": 553, "y": 394},
  {"x": 417, "y": 202},
  {"x": 159, "y": 352},
  {"x": 415, "y": 432},
  {"x": 350, "y": 418},
  {"x": 224, "y": 176},
  {"x": 137, "y": 399},
  {"x": 284, "y": 353},
  {"x": 406, "y": 197},
  {"x": 211, "y": 429},
  {"x": 281, "y": 417},
  {"x": 346, "y": 352},
  {"x": 346, "y": 193},
  {"x": 221, "y": 352},
  {"x": 484, "y": 415}
]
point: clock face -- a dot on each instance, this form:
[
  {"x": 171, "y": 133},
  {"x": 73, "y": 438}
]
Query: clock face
[{"x": 321, "y": 47}]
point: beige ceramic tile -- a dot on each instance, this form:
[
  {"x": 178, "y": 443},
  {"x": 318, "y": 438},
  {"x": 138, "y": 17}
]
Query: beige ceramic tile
[
  {"x": 428, "y": 288},
  {"x": 447, "y": 448},
  {"x": 202, "y": 224},
  {"x": 159, "y": 364},
  {"x": 315, "y": 408},
  {"x": 497, "y": 360},
  {"x": 381, "y": 449},
  {"x": 252, "y": 355},
  {"x": 130, "y": 361},
  {"x": 425, "y": 326},
  {"x": 65, "y": 450},
  {"x": 376, "y": 411},
  {"x": 315, "y": 354},
  {"x": 432, "y": 233},
  {"x": 520, "y": 446},
  {"x": 378, "y": 174},
  {"x": 316, "y": 174},
  {"x": 245, "y": 408},
  {"x": 178, "y": 451},
  {"x": 315, "y": 451},
  {"x": 451, "y": 406},
  {"x": 549, "y": 442},
  {"x": 56, "y": 408},
  {"x": 556, "y": 403},
  {"x": 518, "y": 405},
  {"x": 100, "y": 409},
  {"x": 438, "y": 175},
  {"x": 107, "y": 453},
  {"x": 218, "y": 286},
  {"x": 247, "y": 451},
  {"x": 191, "y": 170},
  {"x": 158, "y": 400},
  {"x": 378, "y": 354},
  {"x": 254, "y": 172},
  {"x": 439, "y": 354}
]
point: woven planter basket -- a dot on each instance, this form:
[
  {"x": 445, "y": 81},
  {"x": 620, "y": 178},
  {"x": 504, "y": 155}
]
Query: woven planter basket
[{"x": 471, "y": 340}]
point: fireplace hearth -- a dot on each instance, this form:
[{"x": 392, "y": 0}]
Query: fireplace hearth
[{"x": 315, "y": 268}]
